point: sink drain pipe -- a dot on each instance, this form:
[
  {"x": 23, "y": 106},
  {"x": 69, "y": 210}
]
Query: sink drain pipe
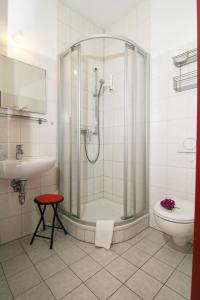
[{"x": 19, "y": 187}]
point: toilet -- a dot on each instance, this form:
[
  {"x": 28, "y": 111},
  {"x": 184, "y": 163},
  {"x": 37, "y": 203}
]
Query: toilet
[{"x": 178, "y": 223}]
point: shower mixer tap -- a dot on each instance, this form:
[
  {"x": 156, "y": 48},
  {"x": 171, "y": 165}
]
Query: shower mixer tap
[{"x": 87, "y": 132}]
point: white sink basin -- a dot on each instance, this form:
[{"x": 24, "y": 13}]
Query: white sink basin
[{"x": 24, "y": 169}]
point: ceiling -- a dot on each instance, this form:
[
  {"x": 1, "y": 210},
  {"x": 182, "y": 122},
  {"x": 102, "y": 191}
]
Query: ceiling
[{"x": 102, "y": 12}]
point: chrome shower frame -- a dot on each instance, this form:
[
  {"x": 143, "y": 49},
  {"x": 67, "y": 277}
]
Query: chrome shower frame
[{"x": 61, "y": 56}]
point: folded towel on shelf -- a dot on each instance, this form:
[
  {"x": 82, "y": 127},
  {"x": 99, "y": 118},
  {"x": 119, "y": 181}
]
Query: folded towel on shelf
[{"x": 104, "y": 233}]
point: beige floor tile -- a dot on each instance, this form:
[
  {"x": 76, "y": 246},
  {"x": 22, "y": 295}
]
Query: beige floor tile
[
  {"x": 158, "y": 237},
  {"x": 38, "y": 253},
  {"x": 172, "y": 246},
  {"x": 1, "y": 273},
  {"x": 120, "y": 248},
  {"x": 148, "y": 246},
  {"x": 16, "y": 264},
  {"x": 102, "y": 256},
  {"x": 61, "y": 243},
  {"x": 71, "y": 254},
  {"x": 25, "y": 242},
  {"x": 103, "y": 284},
  {"x": 157, "y": 269},
  {"x": 50, "y": 266},
  {"x": 72, "y": 239},
  {"x": 186, "y": 265},
  {"x": 81, "y": 293},
  {"x": 169, "y": 256},
  {"x": 135, "y": 240},
  {"x": 167, "y": 294},
  {"x": 180, "y": 283},
  {"x": 10, "y": 250},
  {"x": 87, "y": 247},
  {"x": 85, "y": 268},
  {"x": 5, "y": 293},
  {"x": 121, "y": 269},
  {"x": 23, "y": 281},
  {"x": 136, "y": 256},
  {"x": 39, "y": 292},
  {"x": 123, "y": 293},
  {"x": 63, "y": 282},
  {"x": 140, "y": 236},
  {"x": 146, "y": 231},
  {"x": 144, "y": 285},
  {"x": 190, "y": 251}
]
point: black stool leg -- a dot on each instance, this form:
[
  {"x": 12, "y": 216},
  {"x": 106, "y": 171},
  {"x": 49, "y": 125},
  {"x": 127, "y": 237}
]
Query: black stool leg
[
  {"x": 42, "y": 216},
  {"x": 40, "y": 221},
  {"x": 53, "y": 225},
  {"x": 57, "y": 216}
]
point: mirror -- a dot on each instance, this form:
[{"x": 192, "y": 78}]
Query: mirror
[{"x": 22, "y": 86}]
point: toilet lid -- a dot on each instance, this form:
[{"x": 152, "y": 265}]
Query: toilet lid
[{"x": 183, "y": 212}]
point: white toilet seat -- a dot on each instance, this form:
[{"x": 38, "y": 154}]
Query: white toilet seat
[{"x": 183, "y": 212}]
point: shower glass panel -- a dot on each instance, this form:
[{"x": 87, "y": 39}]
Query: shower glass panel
[
  {"x": 65, "y": 129},
  {"x": 114, "y": 68},
  {"x": 103, "y": 141},
  {"x": 129, "y": 131},
  {"x": 75, "y": 130},
  {"x": 141, "y": 134}
]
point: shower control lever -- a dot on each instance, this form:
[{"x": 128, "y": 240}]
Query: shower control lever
[
  {"x": 87, "y": 133},
  {"x": 84, "y": 131}
]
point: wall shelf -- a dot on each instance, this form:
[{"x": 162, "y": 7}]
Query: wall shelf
[
  {"x": 39, "y": 120},
  {"x": 185, "y": 81},
  {"x": 185, "y": 58}
]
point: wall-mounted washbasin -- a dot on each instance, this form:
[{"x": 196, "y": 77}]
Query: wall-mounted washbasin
[{"x": 25, "y": 168}]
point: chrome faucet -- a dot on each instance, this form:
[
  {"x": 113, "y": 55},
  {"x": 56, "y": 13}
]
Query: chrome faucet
[{"x": 19, "y": 152}]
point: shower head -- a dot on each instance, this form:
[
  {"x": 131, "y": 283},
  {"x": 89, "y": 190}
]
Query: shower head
[{"x": 102, "y": 81}]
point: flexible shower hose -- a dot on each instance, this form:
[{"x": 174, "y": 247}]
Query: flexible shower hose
[{"x": 93, "y": 161}]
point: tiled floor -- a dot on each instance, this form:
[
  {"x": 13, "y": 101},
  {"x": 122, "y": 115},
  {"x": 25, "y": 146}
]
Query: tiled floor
[{"x": 146, "y": 267}]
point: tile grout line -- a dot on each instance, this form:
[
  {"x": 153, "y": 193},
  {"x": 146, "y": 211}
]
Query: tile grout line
[
  {"x": 102, "y": 267},
  {"x": 163, "y": 284},
  {"x": 34, "y": 266},
  {"x": 161, "y": 246},
  {"x": 120, "y": 255},
  {"x": 6, "y": 280},
  {"x": 176, "y": 269},
  {"x": 68, "y": 266},
  {"x": 138, "y": 268}
]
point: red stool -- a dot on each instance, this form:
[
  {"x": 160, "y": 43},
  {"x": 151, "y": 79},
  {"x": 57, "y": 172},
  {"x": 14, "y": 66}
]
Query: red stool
[{"x": 44, "y": 200}]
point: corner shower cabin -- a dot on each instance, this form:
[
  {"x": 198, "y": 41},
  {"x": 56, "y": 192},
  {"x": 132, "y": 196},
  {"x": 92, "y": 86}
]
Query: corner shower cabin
[{"x": 103, "y": 130}]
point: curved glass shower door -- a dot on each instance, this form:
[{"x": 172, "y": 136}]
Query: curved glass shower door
[
  {"x": 103, "y": 140},
  {"x": 70, "y": 67}
]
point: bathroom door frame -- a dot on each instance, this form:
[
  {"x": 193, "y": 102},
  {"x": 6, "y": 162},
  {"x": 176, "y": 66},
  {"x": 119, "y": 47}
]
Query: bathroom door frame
[{"x": 195, "y": 293}]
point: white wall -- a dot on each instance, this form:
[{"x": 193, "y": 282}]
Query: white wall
[
  {"x": 38, "y": 48},
  {"x": 172, "y": 114},
  {"x": 162, "y": 28},
  {"x": 47, "y": 27},
  {"x": 173, "y": 24},
  {"x": 136, "y": 25},
  {"x": 72, "y": 26}
]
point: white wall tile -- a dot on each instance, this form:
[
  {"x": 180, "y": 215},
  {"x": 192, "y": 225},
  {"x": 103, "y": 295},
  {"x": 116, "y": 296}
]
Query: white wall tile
[
  {"x": 10, "y": 229},
  {"x": 9, "y": 205}
]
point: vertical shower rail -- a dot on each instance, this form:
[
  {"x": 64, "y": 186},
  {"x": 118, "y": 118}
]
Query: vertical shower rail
[
  {"x": 128, "y": 48},
  {"x": 77, "y": 103}
]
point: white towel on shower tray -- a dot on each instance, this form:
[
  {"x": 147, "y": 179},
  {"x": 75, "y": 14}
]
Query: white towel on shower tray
[{"x": 104, "y": 233}]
